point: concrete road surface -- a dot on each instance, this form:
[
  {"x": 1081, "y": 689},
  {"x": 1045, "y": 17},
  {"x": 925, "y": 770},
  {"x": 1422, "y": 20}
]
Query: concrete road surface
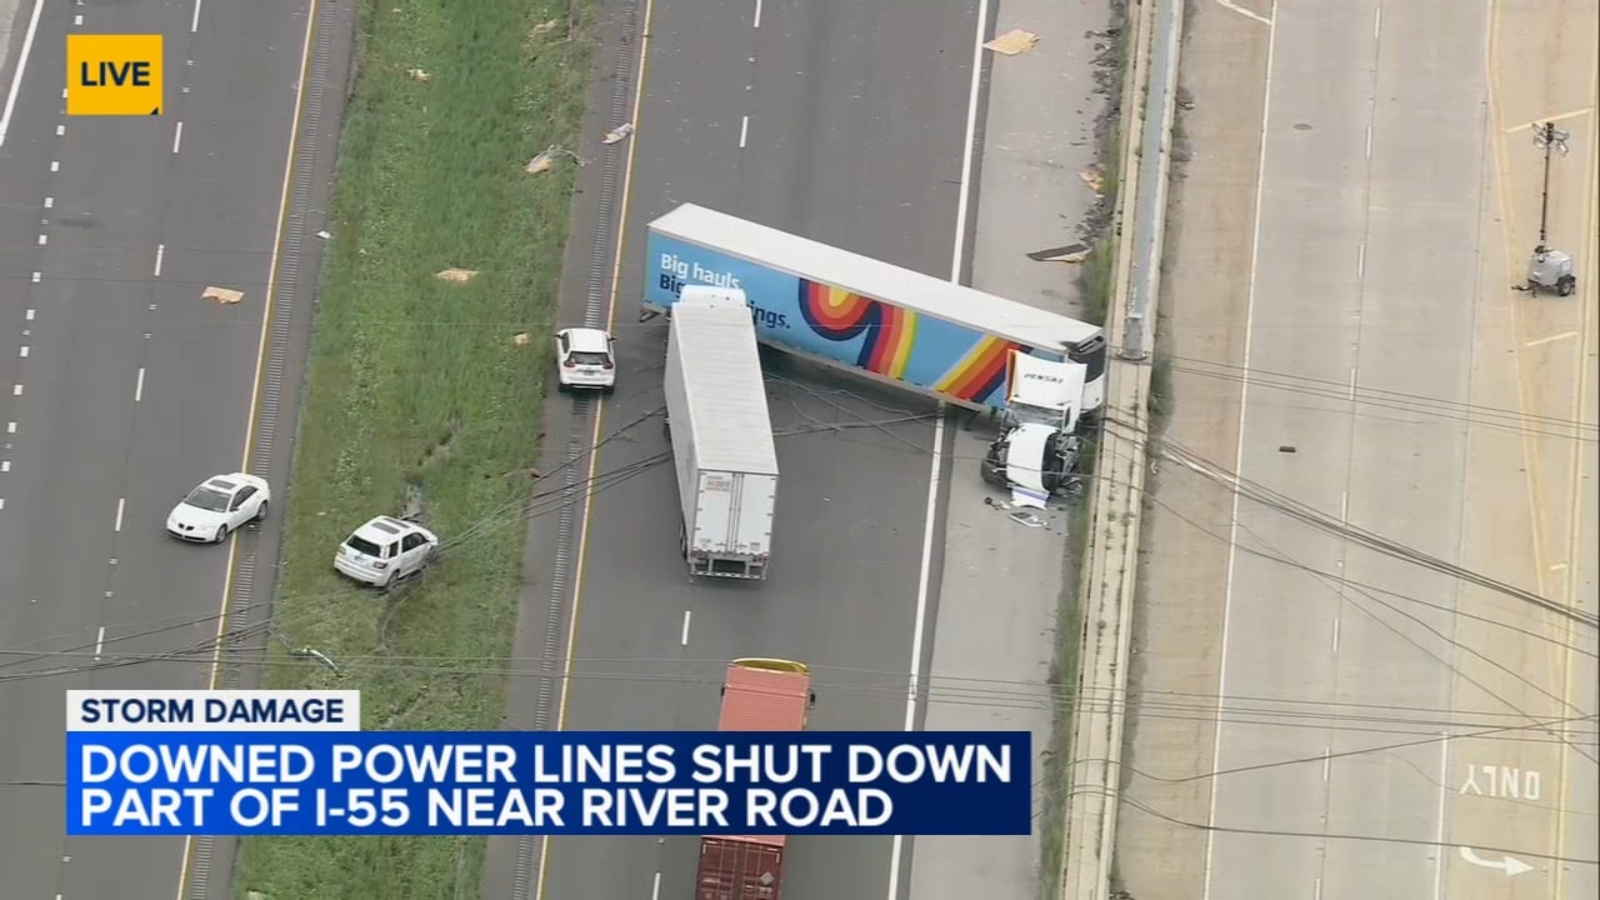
[
  {"x": 843, "y": 122},
  {"x": 1368, "y": 313},
  {"x": 123, "y": 388}
]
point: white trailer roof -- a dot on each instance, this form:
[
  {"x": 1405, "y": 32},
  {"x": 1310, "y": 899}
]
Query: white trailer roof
[
  {"x": 903, "y": 287},
  {"x": 726, "y": 394}
]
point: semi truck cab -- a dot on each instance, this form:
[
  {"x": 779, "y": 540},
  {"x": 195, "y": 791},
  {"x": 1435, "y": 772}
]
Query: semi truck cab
[{"x": 1036, "y": 454}]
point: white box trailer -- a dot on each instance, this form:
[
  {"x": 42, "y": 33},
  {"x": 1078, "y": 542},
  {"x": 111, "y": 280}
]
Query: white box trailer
[{"x": 721, "y": 435}]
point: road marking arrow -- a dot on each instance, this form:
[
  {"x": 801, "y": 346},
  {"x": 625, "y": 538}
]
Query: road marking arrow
[{"x": 1509, "y": 865}]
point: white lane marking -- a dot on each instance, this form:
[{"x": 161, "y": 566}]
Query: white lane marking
[
  {"x": 1316, "y": 889},
  {"x": 121, "y": 502},
  {"x": 1361, "y": 261},
  {"x": 1336, "y": 636},
  {"x": 22, "y": 66},
  {"x": 655, "y": 889},
  {"x": 744, "y": 131},
  {"x": 757, "y": 23},
  {"x": 24, "y": 351},
  {"x": 16, "y": 390},
  {"x": 1229, "y": 4},
  {"x": 957, "y": 253},
  {"x": 44, "y": 239},
  {"x": 138, "y": 387},
  {"x": 5, "y": 465},
  {"x": 1352, "y": 382},
  {"x": 77, "y": 19},
  {"x": 1557, "y": 567},
  {"x": 1377, "y": 22},
  {"x": 29, "y": 315},
  {"x": 1438, "y": 834},
  {"x": 55, "y": 165},
  {"x": 99, "y": 644},
  {"x": 683, "y": 640},
  {"x": 37, "y": 277},
  {"x": 1238, "y": 462},
  {"x": 1551, "y": 339},
  {"x": 61, "y": 130},
  {"x": 11, "y": 428},
  {"x": 49, "y": 202},
  {"x": 1369, "y": 142},
  {"x": 161, "y": 252},
  {"x": 3, "y": 506},
  {"x": 177, "y": 138},
  {"x": 194, "y": 24},
  {"x": 1344, "y": 503}
]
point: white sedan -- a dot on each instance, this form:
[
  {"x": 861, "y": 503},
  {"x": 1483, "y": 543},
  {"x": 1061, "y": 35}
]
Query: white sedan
[
  {"x": 586, "y": 358},
  {"x": 218, "y": 507}
]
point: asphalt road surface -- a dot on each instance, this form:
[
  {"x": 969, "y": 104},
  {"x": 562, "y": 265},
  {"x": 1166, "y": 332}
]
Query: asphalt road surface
[
  {"x": 843, "y": 122},
  {"x": 130, "y": 388},
  {"x": 1369, "y": 278}
]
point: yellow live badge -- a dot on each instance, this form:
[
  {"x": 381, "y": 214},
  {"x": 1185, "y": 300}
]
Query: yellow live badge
[{"x": 114, "y": 74}]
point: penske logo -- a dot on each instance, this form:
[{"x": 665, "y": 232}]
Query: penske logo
[{"x": 114, "y": 74}]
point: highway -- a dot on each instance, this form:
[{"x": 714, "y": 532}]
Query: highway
[
  {"x": 844, "y": 122},
  {"x": 1378, "y": 291},
  {"x": 124, "y": 387}
]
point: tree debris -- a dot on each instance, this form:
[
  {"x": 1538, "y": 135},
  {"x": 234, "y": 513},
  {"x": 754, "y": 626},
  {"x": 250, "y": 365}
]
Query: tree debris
[
  {"x": 521, "y": 340},
  {"x": 457, "y": 276},
  {"x": 1013, "y": 42},
  {"x": 618, "y": 133},
  {"x": 418, "y": 75},
  {"x": 223, "y": 296},
  {"x": 546, "y": 27},
  {"x": 545, "y": 161},
  {"x": 1093, "y": 178}
]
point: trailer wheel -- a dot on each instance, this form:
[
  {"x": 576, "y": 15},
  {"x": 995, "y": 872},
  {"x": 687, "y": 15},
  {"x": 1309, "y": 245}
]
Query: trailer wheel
[{"x": 1566, "y": 285}]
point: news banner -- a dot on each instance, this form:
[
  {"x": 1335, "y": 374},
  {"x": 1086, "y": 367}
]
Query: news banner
[{"x": 297, "y": 763}]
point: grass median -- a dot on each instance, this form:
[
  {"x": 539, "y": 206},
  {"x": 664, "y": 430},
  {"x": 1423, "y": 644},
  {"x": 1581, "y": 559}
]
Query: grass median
[{"x": 417, "y": 396}]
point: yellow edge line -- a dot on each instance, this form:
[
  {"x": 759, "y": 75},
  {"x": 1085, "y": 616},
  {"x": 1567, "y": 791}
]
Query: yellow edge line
[
  {"x": 255, "y": 390},
  {"x": 600, "y": 411},
  {"x": 1508, "y": 216},
  {"x": 1579, "y": 404}
]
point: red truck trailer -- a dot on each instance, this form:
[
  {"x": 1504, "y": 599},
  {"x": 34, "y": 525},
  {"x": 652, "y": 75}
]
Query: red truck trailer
[{"x": 758, "y": 695}]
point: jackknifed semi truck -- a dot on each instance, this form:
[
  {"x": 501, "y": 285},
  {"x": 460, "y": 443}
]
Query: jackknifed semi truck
[
  {"x": 842, "y": 309},
  {"x": 757, "y": 695},
  {"x": 721, "y": 436}
]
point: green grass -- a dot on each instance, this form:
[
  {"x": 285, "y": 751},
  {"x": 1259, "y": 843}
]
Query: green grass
[
  {"x": 416, "y": 392},
  {"x": 1097, "y": 286},
  {"x": 1097, "y": 278}
]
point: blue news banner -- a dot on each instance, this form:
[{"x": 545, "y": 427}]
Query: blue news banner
[{"x": 619, "y": 783}]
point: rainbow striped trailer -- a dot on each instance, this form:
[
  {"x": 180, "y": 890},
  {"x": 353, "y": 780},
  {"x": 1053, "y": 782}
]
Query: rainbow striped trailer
[{"x": 846, "y": 310}]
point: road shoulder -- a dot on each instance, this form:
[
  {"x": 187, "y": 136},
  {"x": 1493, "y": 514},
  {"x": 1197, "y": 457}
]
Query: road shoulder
[{"x": 1178, "y": 615}]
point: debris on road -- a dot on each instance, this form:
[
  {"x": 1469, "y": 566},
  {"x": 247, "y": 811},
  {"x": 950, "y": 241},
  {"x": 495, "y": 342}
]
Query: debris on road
[
  {"x": 1026, "y": 520},
  {"x": 1071, "y": 253},
  {"x": 521, "y": 340},
  {"x": 1013, "y": 42},
  {"x": 546, "y": 27},
  {"x": 325, "y": 235},
  {"x": 457, "y": 276},
  {"x": 223, "y": 296},
  {"x": 1094, "y": 178},
  {"x": 418, "y": 75},
  {"x": 618, "y": 133}
]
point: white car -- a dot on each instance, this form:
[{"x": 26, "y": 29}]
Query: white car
[
  {"x": 218, "y": 506},
  {"x": 586, "y": 358},
  {"x": 385, "y": 550}
]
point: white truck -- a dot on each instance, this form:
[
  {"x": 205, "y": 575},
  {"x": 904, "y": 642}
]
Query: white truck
[
  {"x": 1037, "y": 451},
  {"x": 721, "y": 435}
]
